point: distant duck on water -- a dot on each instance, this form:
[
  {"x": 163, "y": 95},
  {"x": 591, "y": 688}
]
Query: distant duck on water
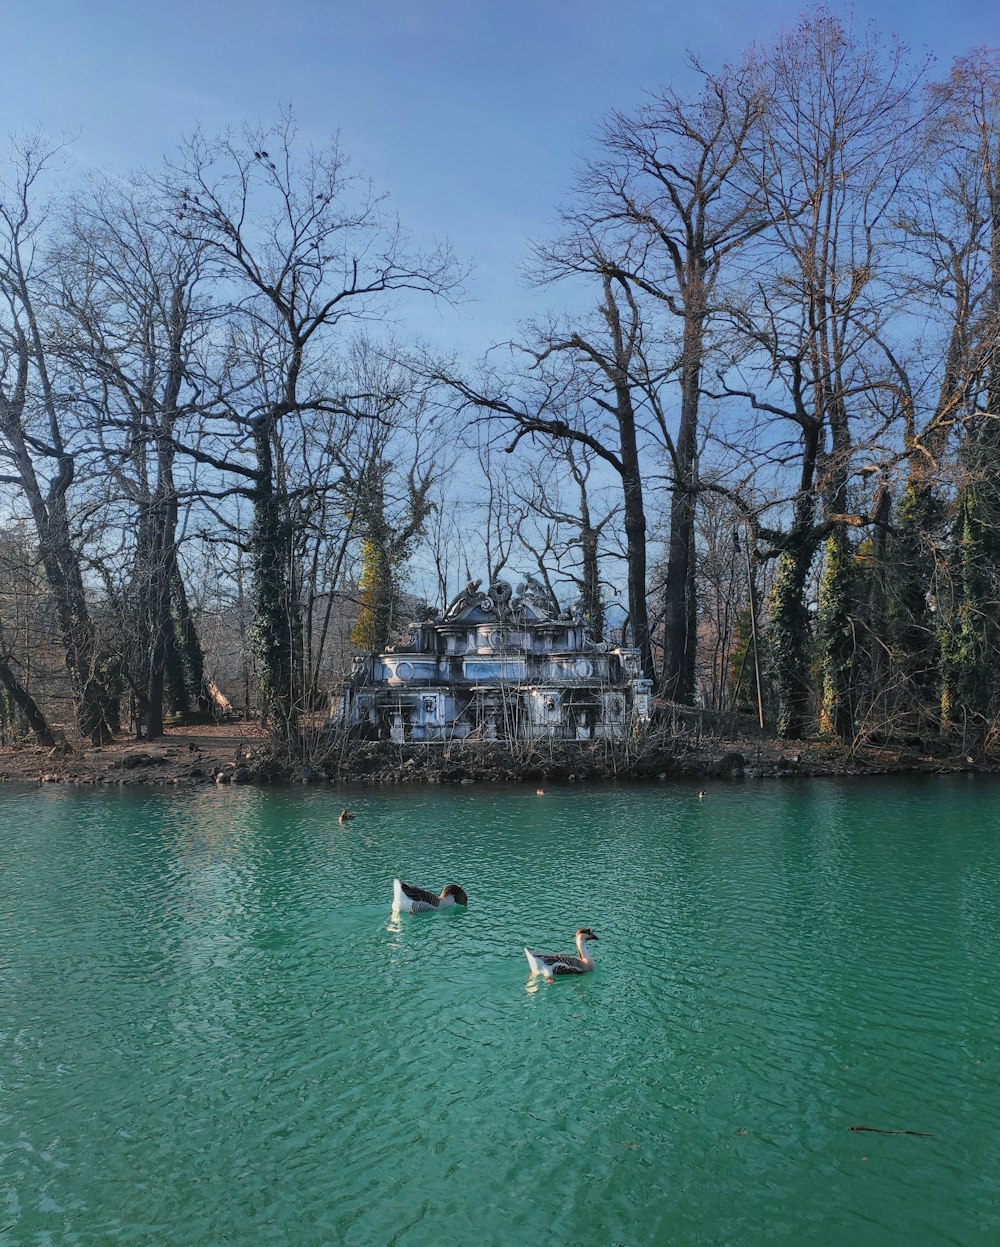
[
  {"x": 551, "y": 964},
  {"x": 407, "y": 899}
]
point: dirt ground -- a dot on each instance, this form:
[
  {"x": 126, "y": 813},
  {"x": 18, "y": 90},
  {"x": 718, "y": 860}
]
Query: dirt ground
[
  {"x": 184, "y": 755},
  {"x": 240, "y": 753}
]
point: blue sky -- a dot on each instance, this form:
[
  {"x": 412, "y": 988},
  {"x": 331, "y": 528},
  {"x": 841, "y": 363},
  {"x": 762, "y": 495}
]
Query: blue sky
[{"x": 470, "y": 114}]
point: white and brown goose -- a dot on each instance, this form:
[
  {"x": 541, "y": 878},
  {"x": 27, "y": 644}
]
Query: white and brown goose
[
  {"x": 407, "y": 899},
  {"x": 551, "y": 964}
]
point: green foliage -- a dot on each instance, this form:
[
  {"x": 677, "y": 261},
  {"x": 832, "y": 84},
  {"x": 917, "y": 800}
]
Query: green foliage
[
  {"x": 388, "y": 538},
  {"x": 376, "y": 594}
]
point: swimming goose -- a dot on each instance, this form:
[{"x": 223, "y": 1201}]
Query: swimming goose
[
  {"x": 409, "y": 900},
  {"x": 551, "y": 964}
]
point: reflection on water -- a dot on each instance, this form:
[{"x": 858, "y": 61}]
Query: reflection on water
[{"x": 214, "y": 1029}]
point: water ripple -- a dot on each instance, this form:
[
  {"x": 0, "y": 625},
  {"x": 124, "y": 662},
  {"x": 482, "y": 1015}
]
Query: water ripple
[{"x": 207, "y": 992}]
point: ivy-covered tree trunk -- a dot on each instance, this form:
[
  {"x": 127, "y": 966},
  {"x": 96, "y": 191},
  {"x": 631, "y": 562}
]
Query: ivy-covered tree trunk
[
  {"x": 872, "y": 697},
  {"x": 591, "y": 601},
  {"x": 915, "y": 640},
  {"x": 790, "y": 642},
  {"x": 964, "y": 679},
  {"x": 387, "y": 534},
  {"x": 185, "y": 659},
  {"x": 277, "y": 624},
  {"x": 970, "y": 637},
  {"x": 178, "y": 694},
  {"x": 377, "y": 592},
  {"x": 790, "y": 630},
  {"x": 837, "y": 635}
]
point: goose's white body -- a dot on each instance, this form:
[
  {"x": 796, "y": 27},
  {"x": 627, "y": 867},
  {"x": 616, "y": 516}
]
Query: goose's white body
[
  {"x": 407, "y": 899},
  {"x": 551, "y": 964}
]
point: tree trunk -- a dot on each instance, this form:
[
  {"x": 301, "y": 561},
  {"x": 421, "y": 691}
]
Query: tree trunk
[
  {"x": 839, "y": 650},
  {"x": 790, "y": 629},
  {"x": 680, "y": 627},
  {"x": 635, "y": 532},
  {"x": 185, "y": 657},
  {"x": 95, "y": 708},
  {"x": 873, "y": 673},
  {"x": 276, "y": 621},
  {"x": 94, "y": 702},
  {"x": 26, "y": 704},
  {"x": 592, "y": 607}
]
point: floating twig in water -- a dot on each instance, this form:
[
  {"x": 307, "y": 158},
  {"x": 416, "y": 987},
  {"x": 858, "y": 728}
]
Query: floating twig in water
[{"x": 921, "y": 1134}]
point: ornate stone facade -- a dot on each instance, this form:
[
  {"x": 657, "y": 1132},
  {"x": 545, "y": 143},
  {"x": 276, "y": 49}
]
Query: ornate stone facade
[{"x": 497, "y": 666}]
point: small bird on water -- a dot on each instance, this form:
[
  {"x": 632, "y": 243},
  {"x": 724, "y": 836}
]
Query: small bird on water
[{"x": 345, "y": 816}]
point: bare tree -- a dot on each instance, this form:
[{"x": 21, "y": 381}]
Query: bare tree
[
  {"x": 817, "y": 298},
  {"x": 663, "y": 206},
  {"x": 37, "y": 422},
  {"x": 389, "y": 457},
  {"x": 304, "y": 246},
  {"x": 131, "y": 327},
  {"x": 587, "y": 385},
  {"x": 955, "y": 231},
  {"x": 569, "y": 533}
]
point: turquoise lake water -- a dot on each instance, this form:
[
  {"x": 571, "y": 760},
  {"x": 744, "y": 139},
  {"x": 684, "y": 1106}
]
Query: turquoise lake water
[{"x": 212, "y": 1030}]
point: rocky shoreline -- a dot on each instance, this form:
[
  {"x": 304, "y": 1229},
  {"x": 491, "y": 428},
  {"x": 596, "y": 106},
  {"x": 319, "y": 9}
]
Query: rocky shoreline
[{"x": 241, "y": 755}]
